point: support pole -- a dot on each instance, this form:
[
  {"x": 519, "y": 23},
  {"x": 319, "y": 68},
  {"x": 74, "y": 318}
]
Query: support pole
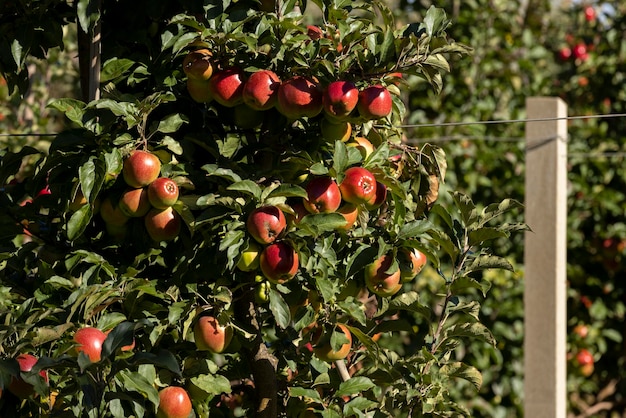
[{"x": 545, "y": 258}]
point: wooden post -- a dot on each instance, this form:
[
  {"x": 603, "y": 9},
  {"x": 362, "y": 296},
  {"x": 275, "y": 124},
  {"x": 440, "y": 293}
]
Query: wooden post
[{"x": 545, "y": 258}]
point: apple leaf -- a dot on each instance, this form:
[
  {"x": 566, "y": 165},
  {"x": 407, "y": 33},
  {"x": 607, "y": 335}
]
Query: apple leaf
[
  {"x": 414, "y": 229},
  {"x": 461, "y": 284},
  {"x": 136, "y": 382},
  {"x": 485, "y": 262},
  {"x": 307, "y": 394},
  {"x": 114, "y": 68},
  {"x": 357, "y": 405},
  {"x": 463, "y": 371},
  {"x": 212, "y": 384},
  {"x": 78, "y": 222},
  {"x": 354, "y": 385},
  {"x": 480, "y": 235},
  {"x": 171, "y": 123},
  {"x": 472, "y": 330},
  {"x": 247, "y": 186},
  {"x": 279, "y": 309}
]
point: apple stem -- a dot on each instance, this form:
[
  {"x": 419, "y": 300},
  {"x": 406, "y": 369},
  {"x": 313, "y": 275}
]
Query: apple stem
[{"x": 343, "y": 370}]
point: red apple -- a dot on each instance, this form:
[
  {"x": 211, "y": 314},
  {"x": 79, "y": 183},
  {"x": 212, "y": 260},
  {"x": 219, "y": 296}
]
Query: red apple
[
  {"x": 112, "y": 214},
  {"x": 163, "y": 192},
  {"x": 590, "y": 13},
  {"x": 89, "y": 340},
  {"x": 300, "y": 97},
  {"x": 162, "y": 224},
  {"x": 580, "y": 52},
  {"x": 322, "y": 346},
  {"x": 340, "y": 99},
  {"x": 374, "y": 102},
  {"x": 141, "y": 168},
  {"x": 358, "y": 186},
  {"x": 18, "y": 386},
  {"x": 266, "y": 223},
  {"x": 261, "y": 90},
  {"x": 585, "y": 361},
  {"x": 210, "y": 335},
  {"x": 279, "y": 262},
  {"x": 323, "y": 195},
  {"x": 565, "y": 53},
  {"x": 197, "y": 65},
  {"x": 174, "y": 402},
  {"x": 379, "y": 198},
  {"x": 380, "y": 280},
  {"x": 199, "y": 90},
  {"x": 350, "y": 212},
  {"x": 300, "y": 211},
  {"x": 227, "y": 85},
  {"x": 335, "y": 130},
  {"x": 412, "y": 261},
  {"x": 134, "y": 202}
]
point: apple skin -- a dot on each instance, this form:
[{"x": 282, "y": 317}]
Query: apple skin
[
  {"x": 199, "y": 90},
  {"x": 162, "y": 224},
  {"x": 340, "y": 99},
  {"x": 374, "y": 102},
  {"x": 261, "y": 90},
  {"x": 89, "y": 340},
  {"x": 351, "y": 213},
  {"x": 358, "y": 185},
  {"x": 299, "y": 97},
  {"x": 197, "y": 65},
  {"x": 279, "y": 262},
  {"x": 585, "y": 361},
  {"x": 174, "y": 402},
  {"x": 226, "y": 86},
  {"x": 249, "y": 259},
  {"x": 323, "y": 349},
  {"x": 210, "y": 335},
  {"x": 141, "y": 168},
  {"x": 323, "y": 195},
  {"x": 364, "y": 145},
  {"x": 134, "y": 203},
  {"x": 335, "y": 130},
  {"x": 18, "y": 386},
  {"x": 112, "y": 214},
  {"x": 163, "y": 192},
  {"x": 266, "y": 223},
  {"x": 379, "y": 198},
  {"x": 379, "y": 281},
  {"x": 412, "y": 261}
]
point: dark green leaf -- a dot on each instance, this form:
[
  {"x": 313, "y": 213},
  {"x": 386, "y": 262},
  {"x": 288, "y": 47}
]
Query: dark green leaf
[
  {"x": 463, "y": 371},
  {"x": 354, "y": 385},
  {"x": 279, "y": 309},
  {"x": 480, "y": 235}
]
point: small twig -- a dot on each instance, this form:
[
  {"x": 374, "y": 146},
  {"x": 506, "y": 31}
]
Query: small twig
[{"x": 343, "y": 370}]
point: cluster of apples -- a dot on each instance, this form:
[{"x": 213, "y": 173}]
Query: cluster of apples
[
  {"x": 147, "y": 195},
  {"x": 296, "y": 97}
]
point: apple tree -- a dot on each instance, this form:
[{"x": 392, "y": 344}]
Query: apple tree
[{"x": 235, "y": 227}]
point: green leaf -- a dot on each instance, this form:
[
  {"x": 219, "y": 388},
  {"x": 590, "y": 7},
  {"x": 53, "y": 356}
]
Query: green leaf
[
  {"x": 484, "y": 262},
  {"x": 321, "y": 222},
  {"x": 171, "y": 123},
  {"x": 463, "y": 371},
  {"x": 279, "y": 309},
  {"x": 461, "y": 284},
  {"x": 288, "y": 190},
  {"x": 73, "y": 109},
  {"x": 340, "y": 158},
  {"x": 215, "y": 170},
  {"x": 114, "y": 68},
  {"x": 354, "y": 385},
  {"x": 435, "y": 21},
  {"x": 472, "y": 330},
  {"x": 466, "y": 207},
  {"x": 161, "y": 358},
  {"x": 480, "y": 235},
  {"x": 136, "y": 382},
  {"x": 78, "y": 222},
  {"x": 494, "y": 210},
  {"x": 307, "y": 394},
  {"x": 409, "y": 301},
  {"x": 414, "y": 229},
  {"x": 212, "y": 384},
  {"x": 16, "y": 52},
  {"x": 247, "y": 186},
  {"x": 91, "y": 176}
]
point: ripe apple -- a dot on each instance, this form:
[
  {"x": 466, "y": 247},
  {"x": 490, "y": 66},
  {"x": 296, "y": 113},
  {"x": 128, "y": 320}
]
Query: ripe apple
[
  {"x": 162, "y": 224},
  {"x": 365, "y": 147},
  {"x": 163, "y": 192},
  {"x": 197, "y": 65},
  {"x": 174, "y": 402},
  {"x": 261, "y": 90},
  {"x": 323, "y": 348},
  {"x": 199, "y": 90},
  {"x": 590, "y": 13},
  {"x": 141, "y": 168},
  {"x": 380, "y": 280},
  {"x": 134, "y": 203},
  {"x": 374, "y": 102},
  {"x": 279, "y": 262},
  {"x": 112, "y": 214},
  {"x": 300, "y": 97},
  {"x": 565, "y": 53},
  {"x": 323, "y": 195},
  {"x": 358, "y": 186},
  {"x": 249, "y": 259},
  {"x": 340, "y": 99},
  {"x": 300, "y": 211},
  {"x": 335, "y": 130},
  {"x": 379, "y": 198},
  {"x": 18, "y": 386},
  {"x": 581, "y": 330},
  {"x": 580, "y": 52},
  {"x": 226, "y": 86},
  {"x": 89, "y": 340},
  {"x": 266, "y": 223},
  {"x": 210, "y": 335},
  {"x": 351, "y": 213},
  {"x": 585, "y": 361},
  {"x": 411, "y": 261}
]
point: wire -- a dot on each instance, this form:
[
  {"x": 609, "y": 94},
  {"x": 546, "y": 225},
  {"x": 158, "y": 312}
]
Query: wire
[{"x": 506, "y": 121}]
